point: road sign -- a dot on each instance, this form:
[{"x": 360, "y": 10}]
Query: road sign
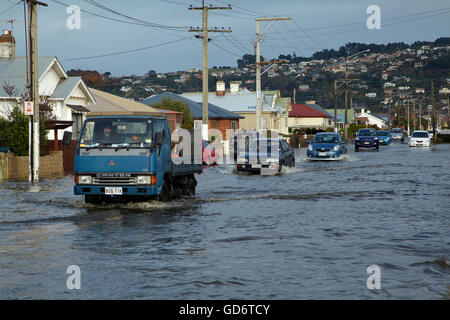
[{"x": 28, "y": 109}]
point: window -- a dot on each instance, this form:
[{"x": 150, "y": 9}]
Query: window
[
  {"x": 233, "y": 125},
  {"x": 77, "y": 120},
  {"x": 264, "y": 123},
  {"x": 160, "y": 127}
]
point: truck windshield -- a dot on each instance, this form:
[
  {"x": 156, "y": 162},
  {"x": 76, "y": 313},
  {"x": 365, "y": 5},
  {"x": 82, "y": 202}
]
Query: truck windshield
[{"x": 117, "y": 133}]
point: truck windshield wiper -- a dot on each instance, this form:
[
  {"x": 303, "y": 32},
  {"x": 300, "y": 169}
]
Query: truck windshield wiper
[
  {"x": 92, "y": 146},
  {"x": 123, "y": 146}
]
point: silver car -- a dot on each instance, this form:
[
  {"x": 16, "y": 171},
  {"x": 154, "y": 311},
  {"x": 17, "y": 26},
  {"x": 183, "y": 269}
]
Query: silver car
[{"x": 398, "y": 134}]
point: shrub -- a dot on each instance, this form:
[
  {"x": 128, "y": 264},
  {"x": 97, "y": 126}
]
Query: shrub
[{"x": 14, "y": 132}]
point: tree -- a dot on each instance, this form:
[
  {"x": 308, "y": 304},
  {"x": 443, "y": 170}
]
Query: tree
[{"x": 176, "y": 105}]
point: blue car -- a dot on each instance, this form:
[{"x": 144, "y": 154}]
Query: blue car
[
  {"x": 384, "y": 137},
  {"x": 326, "y": 146},
  {"x": 366, "y": 138}
]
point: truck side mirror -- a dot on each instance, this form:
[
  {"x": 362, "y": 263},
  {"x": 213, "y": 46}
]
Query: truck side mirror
[{"x": 159, "y": 139}]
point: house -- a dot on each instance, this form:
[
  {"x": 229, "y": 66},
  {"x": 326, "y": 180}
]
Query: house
[
  {"x": 308, "y": 116},
  {"x": 218, "y": 118},
  {"x": 69, "y": 97},
  {"x": 341, "y": 116},
  {"x": 243, "y": 102},
  {"x": 369, "y": 119},
  {"x": 107, "y": 102}
]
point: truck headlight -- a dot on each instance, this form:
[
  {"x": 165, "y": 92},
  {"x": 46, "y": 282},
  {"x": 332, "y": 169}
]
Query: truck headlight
[
  {"x": 143, "y": 180},
  {"x": 336, "y": 148},
  {"x": 84, "y": 179}
]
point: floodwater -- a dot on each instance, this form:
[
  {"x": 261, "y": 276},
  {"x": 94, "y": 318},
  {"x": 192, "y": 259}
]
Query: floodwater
[{"x": 309, "y": 233}]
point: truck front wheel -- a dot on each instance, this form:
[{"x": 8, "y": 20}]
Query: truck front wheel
[
  {"x": 94, "y": 199},
  {"x": 166, "y": 192}
]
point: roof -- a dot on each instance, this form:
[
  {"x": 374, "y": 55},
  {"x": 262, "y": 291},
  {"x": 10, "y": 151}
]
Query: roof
[
  {"x": 307, "y": 111},
  {"x": 196, "y": 108},
  {"x": 242, "y": 101},
  {"x": 78, "y": 108},
  {"x": 107, "y": 102},
  {"x": 341, "y": 114},
  {"x": 124, "y": 113},
  {"x": 13, "y": 72}
]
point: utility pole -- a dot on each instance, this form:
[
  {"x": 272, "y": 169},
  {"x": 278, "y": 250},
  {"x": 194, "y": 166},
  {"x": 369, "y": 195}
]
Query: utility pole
[
  {"x": 414, "y": 115},
  {"x": 335, "y": 107},
  {"x": 258, "y": 68},
  {"x": 433, "y": 112},
  {"x": 205, "y": 31},
  {"x": 408, "y": 116},
  {"x": 420, "y": 116},
  {"x": 34, "y": 86}
]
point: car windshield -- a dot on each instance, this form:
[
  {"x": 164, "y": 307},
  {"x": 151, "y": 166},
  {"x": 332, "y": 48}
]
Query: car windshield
[
  {"x": 366, "y": 133},
  {"x": 420, "y": 135},
  {"x": 396, "y": 130},
  {"x": 263, "y": 145},
  {"x": 382, "y": 133},
  {"x": 325, "y": 138},
  {"x": 117, "y": 132}
]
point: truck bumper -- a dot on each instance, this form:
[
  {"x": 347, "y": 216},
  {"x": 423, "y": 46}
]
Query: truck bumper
[{"x": 144, "y": 190}]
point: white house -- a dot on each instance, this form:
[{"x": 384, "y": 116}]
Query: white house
[
  {"x": 370, "y": 119},
  {"x": 69, "y": 96}
]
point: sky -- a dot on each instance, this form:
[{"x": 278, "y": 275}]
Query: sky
[{"x": 314, "y": 25}]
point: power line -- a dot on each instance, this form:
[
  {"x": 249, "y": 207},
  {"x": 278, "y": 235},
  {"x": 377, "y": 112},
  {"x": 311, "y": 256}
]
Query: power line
[
  {"x": 10, "y": 8},
  {"x": 127, "y": 51},
  {"x": 145, "y": 22}
]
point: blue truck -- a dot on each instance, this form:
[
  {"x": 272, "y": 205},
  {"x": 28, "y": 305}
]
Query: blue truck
[{"x": 128, "y": 156}]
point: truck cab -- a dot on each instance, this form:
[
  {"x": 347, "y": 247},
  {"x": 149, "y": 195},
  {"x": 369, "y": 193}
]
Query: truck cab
[{"x": 129, "y": 157}]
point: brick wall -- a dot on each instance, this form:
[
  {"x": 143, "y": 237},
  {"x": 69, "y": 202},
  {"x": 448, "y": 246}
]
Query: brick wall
[
  {"x": 17, "y": 168},
  {"x": 223, "y": 125}
]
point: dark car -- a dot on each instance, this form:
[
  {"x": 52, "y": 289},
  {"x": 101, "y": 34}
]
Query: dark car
[
  {"x": 326, "y": 146},
  {"x": 366, "y": 138},
  {"x": 266, "y": 155}
]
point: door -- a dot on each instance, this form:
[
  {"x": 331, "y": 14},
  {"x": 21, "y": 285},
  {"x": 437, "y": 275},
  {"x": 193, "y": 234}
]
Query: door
[{"x": 162, "y": 152}]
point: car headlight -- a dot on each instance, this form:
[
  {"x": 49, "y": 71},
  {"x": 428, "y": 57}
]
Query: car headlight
[
  {"x": 143, "y": 179},
  {"x": 357, "y": 139},
  {"x": 84, "y": 180},
  {"x": 310, "y": 148},
  {"x": 376, "y": 138},
  {"x": 336, "y": 148}
]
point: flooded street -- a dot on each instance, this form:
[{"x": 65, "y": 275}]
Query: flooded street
[{"x": 309, "y": 233}]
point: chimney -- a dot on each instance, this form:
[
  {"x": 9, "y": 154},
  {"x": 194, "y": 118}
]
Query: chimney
[
  {"x": 7, "y": 45},
  {"x": 234, "y": 86},
  {"x": 220, "y": 88}
]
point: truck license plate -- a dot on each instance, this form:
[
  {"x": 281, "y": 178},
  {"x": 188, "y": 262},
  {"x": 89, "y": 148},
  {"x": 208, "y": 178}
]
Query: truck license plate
[{"x": 113, "y": 190}]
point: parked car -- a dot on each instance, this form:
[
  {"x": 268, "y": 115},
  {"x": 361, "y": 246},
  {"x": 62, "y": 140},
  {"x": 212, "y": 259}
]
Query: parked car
[
  {"x": 366, "y": 138},
  {"x": 266, "y": 155},
  {"x": 420, "y": 139},
  {"x": 209, "y": 153},
  {"x": 384, "y": 137},
  {"x": 431, "y": 134},
  {"x": 398, "y": 134},
  {"x": 326, "y": 146}
]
